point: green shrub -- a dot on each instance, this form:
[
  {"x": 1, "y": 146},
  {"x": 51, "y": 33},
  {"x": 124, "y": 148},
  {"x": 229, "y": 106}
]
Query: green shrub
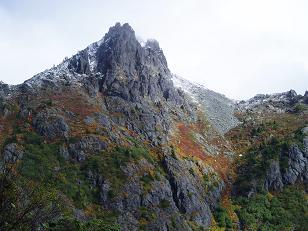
[
  {"x": 25, "y": 205},
  {"x": 9, "y": 140},
  {"x": 73, "y": 139},
  {"x": 43, "y": 164},
  {"x": 147, "y": 179},
  {"x": 164, "y": 204},
  {"x": 32, "y": 138},
  {"x": 300, "y": 108},
  {"x": 210, "y": 180},
  {"x": 255, "y": 131},
  {"x": 147, "y": 214},
  {"x": 222, "y": 218}
]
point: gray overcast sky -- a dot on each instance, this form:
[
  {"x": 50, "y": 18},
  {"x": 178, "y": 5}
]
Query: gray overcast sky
[{"x": 236, "y": 47}]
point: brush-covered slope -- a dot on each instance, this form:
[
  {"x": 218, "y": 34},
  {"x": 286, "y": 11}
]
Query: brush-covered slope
[{"x": 269, "y": 191}]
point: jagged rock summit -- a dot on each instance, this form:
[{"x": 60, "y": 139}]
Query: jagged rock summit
[
  {"x": 128, "y": 74},
  {"x": 124, "y": 67}
]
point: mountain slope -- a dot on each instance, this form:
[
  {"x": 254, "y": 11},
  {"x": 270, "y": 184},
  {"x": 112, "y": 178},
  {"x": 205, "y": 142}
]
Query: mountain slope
[
  {"x": 105, "y": 130},
  {"x": 110, "y": 140}
]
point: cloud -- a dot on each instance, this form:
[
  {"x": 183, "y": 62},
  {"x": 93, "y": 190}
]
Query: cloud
[{"x": 237, "y": 47}]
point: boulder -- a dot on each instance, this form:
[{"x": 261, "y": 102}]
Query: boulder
[
  {"x": 51, "y": 125},
  {"x": 12, "y": 152},
  {"x": 85, "y": 146}
]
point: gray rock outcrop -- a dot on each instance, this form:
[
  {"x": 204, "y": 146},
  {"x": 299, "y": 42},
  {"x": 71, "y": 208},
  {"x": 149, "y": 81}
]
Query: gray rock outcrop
[
  {"x": 278, "y": 103},
  {"x": 12, "y": 152},
  {"x": 79, "y": 150},
  {"x": 289, "y": 169},
  {"x": 297, "y": 169},
  {"x": 51, "y": 125},
  {"x": 273, "y": 178}
]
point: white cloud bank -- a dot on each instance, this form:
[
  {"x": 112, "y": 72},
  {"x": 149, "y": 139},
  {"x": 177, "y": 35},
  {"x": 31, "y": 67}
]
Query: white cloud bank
[{"x": 236, "y": 47}]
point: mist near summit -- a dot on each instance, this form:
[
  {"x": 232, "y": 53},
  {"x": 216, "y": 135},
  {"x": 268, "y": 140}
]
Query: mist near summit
[{"x": 238, "y": 48}]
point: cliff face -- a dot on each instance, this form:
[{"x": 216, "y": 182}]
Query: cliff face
[{"x": 123, "y": 144}]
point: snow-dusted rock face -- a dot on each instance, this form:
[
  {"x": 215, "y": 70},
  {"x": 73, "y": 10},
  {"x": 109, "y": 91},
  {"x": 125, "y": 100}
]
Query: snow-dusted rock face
[
  {"x": 279, "y": 102},
  {"x": 70, "y": 71},
  {"x": 218, "y": 108}
]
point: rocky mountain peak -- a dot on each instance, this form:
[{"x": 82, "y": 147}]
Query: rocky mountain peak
[
  {"x": 131, "y": 78},
  {"x": 129, "y": 70},
  {"x": 120, "y": 50},
  {"x": 120, "y": 62},
  {"x": 120, "y": 31}
]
